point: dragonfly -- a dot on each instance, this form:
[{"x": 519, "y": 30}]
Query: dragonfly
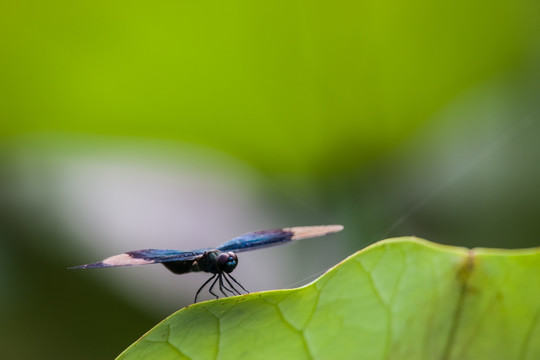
[{"x": 219, "y": 262}]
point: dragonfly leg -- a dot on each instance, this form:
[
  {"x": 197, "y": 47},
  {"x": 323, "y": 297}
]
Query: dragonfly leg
[
  {"x": 203, "y": 285},
  {"x": 231, "y": 285},
  {"x": 222, "y": 286},
  {"x": 233, "y": 279},
  {"x": 212, "y": 286}
]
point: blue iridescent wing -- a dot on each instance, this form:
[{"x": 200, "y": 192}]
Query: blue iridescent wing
[
  {"x": 249, "y": 241},
  {"x": 144, "y": 257},
  {"x": 262, "y": 239}
]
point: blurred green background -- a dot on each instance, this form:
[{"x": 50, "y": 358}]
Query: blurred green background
[{"x": 127, "y": 125}]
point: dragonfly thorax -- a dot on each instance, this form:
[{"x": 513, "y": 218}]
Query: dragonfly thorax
[{"x": 216, "y": 262}]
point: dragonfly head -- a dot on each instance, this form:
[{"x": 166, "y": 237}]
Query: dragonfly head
[{"x": 226, "y": 262}]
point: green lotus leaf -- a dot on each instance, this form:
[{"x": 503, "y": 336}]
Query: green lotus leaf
[{"x": 402, "y": 298}]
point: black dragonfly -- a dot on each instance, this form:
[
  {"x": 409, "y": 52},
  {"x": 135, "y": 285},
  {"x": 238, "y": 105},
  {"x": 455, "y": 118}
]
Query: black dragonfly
[{"x": 220, "y": 262}]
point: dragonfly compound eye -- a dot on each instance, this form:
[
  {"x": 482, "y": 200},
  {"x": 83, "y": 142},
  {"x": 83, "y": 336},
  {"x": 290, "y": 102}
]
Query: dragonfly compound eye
[{"x": 226, "y": 262}]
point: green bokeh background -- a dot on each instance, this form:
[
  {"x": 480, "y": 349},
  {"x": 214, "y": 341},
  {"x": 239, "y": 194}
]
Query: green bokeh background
[{"x": 391, "y": 117}]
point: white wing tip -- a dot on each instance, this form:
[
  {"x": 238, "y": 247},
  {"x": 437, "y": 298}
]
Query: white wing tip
[
  {"x": 305, "y": 232},
  {"x": 125, "y": 259}
]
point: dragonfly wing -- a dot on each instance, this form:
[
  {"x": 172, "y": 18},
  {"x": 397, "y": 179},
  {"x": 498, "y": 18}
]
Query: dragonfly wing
[
  {"x": 144, "y": 257},
  {"x": 265, "y": 238}
]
